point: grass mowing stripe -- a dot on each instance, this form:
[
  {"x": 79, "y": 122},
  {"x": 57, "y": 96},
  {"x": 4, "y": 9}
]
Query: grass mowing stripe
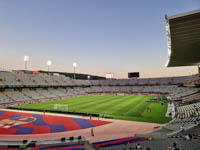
[
  {"x": 42, "y": 104},
  {"x": 88, "y": 103},
  {"x": 139, "y": 107},
  {"x": 105, "y": 106},
  {"x": 80, "y": 99},
  {"x": 97, "y": 104},
  {"x": 85, "y": 101},
  {"x": 157, "y": 115},
  {"x": 129, "y": 103},
  {"x": 134, "y": 103},
  {"x": 78, "y": 102},
  {"x": 93, "y": 103},
  {"x": 125, "y": 107},
  {"x": 109, "y": 108}
]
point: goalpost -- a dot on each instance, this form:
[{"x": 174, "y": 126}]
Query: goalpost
[{"x": 61, "y": 107}]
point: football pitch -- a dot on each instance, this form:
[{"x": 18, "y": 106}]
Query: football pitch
[{"x": 124, "y": 107}]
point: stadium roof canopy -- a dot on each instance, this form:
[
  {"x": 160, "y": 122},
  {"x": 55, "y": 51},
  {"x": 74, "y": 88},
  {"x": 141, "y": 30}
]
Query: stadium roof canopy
[{"x": 183, "y": 32}]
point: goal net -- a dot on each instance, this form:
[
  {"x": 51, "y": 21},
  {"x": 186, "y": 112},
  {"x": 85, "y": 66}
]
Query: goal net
[{"x": 61, "y": 107}]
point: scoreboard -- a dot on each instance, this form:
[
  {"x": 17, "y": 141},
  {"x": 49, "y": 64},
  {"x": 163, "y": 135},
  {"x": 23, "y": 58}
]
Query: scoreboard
[
  {"x": 109, "y": 76},
  {"x": 133, "y": 75}
]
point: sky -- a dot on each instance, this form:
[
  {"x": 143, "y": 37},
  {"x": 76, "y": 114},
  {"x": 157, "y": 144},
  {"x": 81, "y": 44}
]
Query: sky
[{"x": 102, "y": 36}]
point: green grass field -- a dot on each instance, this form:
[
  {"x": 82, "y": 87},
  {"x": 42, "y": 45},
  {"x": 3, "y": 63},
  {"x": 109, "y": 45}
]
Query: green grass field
[{"x": 125, "y": 107}]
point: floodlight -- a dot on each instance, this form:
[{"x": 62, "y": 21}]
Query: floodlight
[
  {"x": 26, "y": 58},
  {"x": 49, "y": 63},
  {"x": 74, "y": 64}
]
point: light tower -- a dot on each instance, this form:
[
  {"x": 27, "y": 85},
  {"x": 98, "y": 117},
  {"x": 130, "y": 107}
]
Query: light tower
[
  {"x": 26, "y": 59},
  {"x": 74, "y": 66},
  {"x": 49, "y": 63}
]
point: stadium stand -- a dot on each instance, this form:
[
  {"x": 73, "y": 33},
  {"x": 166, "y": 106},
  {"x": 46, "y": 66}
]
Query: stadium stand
[
  {"x": 125, "y": 89},
  {"x": 72, "y": 143},
  {"x": 21, "y": 87},
  {"x": 183, "y": 92},
  {"x": 44, "y": 87}
]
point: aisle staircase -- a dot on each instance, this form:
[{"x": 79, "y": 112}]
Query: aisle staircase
[
  {"x": 10, "y": 98},
  {"x": 130, "y": 89},
  {"x": 110, "y": 89},
  {"x": 152, "y": 89},
  {"x": 142, "y": 89},
  {"x": 102, "y": 87},
  {"x": 120, "y": 89}
]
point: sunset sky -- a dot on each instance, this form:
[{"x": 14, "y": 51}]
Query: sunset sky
[{"x": 102, "y": 36}]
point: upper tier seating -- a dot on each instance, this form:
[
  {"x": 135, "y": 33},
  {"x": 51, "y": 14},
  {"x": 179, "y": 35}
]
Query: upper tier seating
[
  {"x": 14, "y": 79},
  {"x": 43, "y": 86},
  {"x": 10, "y": 79}
]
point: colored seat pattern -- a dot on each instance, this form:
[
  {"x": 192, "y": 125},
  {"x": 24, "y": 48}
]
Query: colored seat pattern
[{"x": 17, "y": 123}]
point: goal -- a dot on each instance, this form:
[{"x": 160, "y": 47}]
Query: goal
[{"x": 61, "y": 107}]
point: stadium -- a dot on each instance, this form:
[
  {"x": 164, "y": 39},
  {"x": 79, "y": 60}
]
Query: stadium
[{"x": 50, "y": 110}]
